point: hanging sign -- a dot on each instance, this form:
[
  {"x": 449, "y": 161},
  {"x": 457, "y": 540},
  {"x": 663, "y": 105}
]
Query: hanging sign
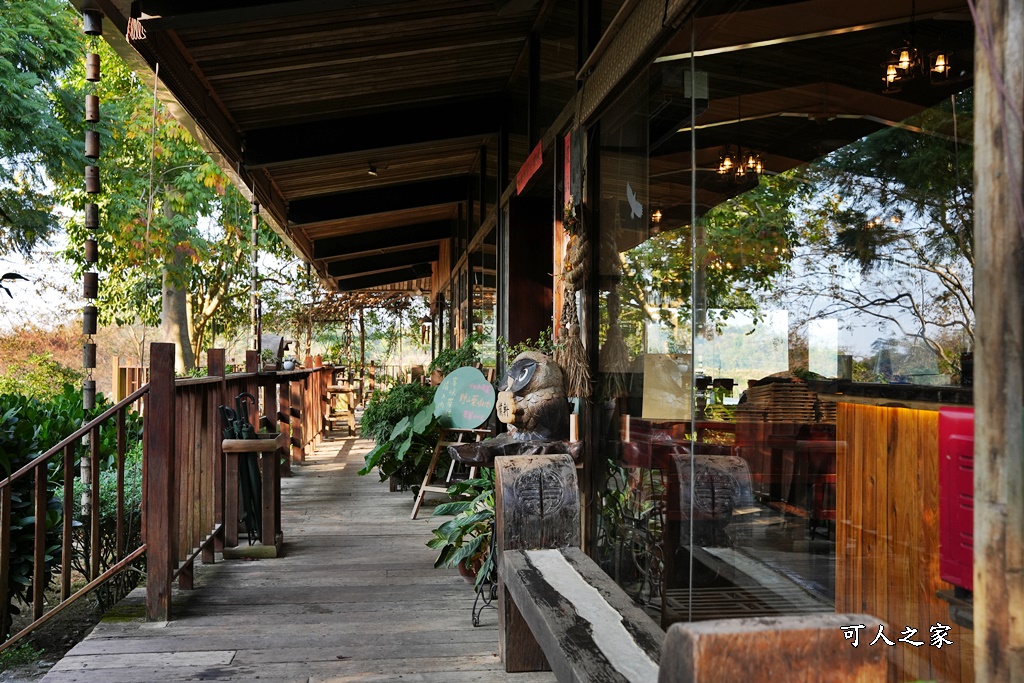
[{"x": 464, "y": 400}]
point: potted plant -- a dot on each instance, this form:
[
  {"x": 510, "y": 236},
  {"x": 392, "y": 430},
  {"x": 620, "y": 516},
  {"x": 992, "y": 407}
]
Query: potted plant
[
  {"x": 290, "y": 363},
  {"x": 465, "y": 540},
  {"x": 402, "y": 423},
  {"x": 268, "y": 358},
  {"x": 450, "y": 359}
]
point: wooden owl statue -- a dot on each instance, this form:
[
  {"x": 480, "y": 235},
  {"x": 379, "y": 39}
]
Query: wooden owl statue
[{"x": 531, "y": 399}]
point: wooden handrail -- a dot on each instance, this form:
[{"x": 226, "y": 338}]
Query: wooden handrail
[{"x": 85, "y": 429}]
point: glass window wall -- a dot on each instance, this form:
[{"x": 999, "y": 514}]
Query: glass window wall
[{"x": 786, "y": 318}]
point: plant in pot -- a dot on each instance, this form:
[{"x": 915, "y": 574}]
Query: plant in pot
[
  {"x": 465, "y": 540},
  {"x": 290, "y": 363},
  {"x": 268, "y": 358},
  {"x": 450, "y": 359},
  {"x": 404, "y": 455}
]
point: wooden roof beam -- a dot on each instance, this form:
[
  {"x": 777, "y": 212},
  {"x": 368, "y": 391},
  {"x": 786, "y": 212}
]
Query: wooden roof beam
[
  {"x": 470, "y": 118},
  {"x": 386, "y": 278},
  {"x": 381, "y": 241},
  {"x": 185, "y": 14},
  {"x": 374, "y": 264},
  {"x": 379, "y": 200}
]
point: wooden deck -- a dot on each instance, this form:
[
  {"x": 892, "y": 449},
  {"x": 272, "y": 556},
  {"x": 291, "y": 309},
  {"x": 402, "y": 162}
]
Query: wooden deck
[{"x": 354, "y": 598}]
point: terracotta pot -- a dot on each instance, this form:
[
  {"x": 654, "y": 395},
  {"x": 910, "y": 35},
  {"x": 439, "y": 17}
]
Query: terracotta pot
[{"x": 468, "y": 572}]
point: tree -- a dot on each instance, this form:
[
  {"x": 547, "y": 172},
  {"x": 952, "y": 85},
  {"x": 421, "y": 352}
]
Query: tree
[
  {"x": 174, "y": 240},
  {"x": 745, "y": 244},
  {"x": 38, "y": 42},
  {"x": 889, "y": 235}
]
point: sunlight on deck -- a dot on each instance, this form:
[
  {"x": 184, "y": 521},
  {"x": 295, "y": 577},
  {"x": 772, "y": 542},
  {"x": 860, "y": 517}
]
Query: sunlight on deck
[{"x": 354, "y": 598}]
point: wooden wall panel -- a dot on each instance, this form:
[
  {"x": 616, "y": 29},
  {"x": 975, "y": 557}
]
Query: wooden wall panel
[{"x": 887, "y": 537}]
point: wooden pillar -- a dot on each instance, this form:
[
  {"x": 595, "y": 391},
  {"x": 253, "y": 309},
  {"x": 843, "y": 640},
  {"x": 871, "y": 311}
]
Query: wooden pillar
[
  {"x": 161, "y": 538},
  {"x": 595, "y": 469},
  {"x": 269, "y": 469},
  {"x": 284, "y": 417},
  {"x": 999, "y": 361},
  {"x": 216, "y": 367},
  {"x": 295, "y": 413},
  {"x": 537, "y": 505}
]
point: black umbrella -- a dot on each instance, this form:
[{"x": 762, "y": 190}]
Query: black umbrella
[{"x": 237, "y": 426}]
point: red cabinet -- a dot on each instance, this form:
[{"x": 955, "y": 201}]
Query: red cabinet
[{"x": 956, "y": 496}]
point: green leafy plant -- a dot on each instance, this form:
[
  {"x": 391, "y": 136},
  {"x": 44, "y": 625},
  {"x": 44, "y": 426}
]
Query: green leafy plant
[
  {"x": 112, "y": 591},
  {"x": 28, "y": 428},
  {"x": 468, "y": 353},
  {"x": 405, "y": 455},
  {"x": 386, "y": 408},
  {"x": 20, "y": 655},
  {"x": 466, "y": 538},
  {"x": 545, "y": 344}
]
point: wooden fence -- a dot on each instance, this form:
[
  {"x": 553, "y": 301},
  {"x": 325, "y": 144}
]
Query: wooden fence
[{"x": 187, "y": 489}]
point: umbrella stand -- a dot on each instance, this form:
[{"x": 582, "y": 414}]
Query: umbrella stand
[{"x": 242, "y": 441}]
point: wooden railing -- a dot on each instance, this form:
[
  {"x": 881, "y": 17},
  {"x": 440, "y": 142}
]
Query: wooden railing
[
  {"x": 61, "y": 458},
  {"x": 185, "y": 486}
]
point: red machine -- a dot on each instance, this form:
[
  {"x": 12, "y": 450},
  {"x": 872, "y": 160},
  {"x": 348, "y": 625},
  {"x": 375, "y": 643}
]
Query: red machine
[{"x": 956, "y": 496}]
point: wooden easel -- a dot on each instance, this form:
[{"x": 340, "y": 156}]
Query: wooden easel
[
  {"x": 449, "y": 437},
  {"x": 462, "y": 403}
]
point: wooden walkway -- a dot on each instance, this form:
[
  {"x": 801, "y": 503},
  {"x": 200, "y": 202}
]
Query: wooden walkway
[{"x": 355, "y": 598}]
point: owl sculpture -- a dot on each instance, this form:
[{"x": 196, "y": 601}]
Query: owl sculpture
[
  {"x": 531, "y": 399},
  {"x": 532, "y": 402}
]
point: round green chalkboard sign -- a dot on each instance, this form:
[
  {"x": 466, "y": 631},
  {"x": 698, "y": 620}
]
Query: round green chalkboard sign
[{"x": 464, "y": 400}]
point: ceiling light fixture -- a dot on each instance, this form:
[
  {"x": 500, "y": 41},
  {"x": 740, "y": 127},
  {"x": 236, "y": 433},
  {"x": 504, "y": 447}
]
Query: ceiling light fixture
[
  {"x": 906, "y": 64},
  {"x": 737, "y": 165}
]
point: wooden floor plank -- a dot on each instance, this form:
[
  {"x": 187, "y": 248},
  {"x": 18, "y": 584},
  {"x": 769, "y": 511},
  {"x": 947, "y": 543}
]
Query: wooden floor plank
[{"x": 353, "y": 598}]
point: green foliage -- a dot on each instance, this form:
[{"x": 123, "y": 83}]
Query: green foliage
[
  {"x": 38, "y": 42},
  {"x": 112, "y": 591},
  {"x": 466, "y": 538},
  {"x": 545, "y": 344},
  {"x": 468, "y": 353},
  {"x": 40, "y": 376},
  {"x": 384, "y": 409},
  {"x": 183, "y": 226},
  {"x": 406, "y": 452},
  {"x": 20, "y": 655},
  {"x": 28, "y": 428}
]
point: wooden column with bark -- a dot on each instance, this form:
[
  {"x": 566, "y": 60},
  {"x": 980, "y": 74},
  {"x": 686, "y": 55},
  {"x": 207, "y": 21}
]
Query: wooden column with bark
[
  {"x": 159, "y": 483},
  {"x": 999, "y": 361}
]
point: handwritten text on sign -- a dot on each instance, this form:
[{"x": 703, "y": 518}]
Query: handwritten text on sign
[{"x": 464, "y": 400}]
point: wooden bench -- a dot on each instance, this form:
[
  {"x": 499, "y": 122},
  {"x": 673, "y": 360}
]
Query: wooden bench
[
  {"x": 586, "y": 626},
  {"x": 558, "y": 610}
]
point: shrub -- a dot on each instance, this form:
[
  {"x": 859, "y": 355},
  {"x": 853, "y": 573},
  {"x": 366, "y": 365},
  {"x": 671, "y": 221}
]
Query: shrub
[
  {"x": 39, "y": 377},
  {"x": 28, "y": 428},
  {"x": 405, "y": 454},
  {"x": 449, "y": 360},
  {"x": 112, "y": 591},
  {"x": 385, "y": 409}
]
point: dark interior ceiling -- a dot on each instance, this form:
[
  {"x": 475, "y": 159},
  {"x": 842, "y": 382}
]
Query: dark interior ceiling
[{"x": 303, "y": 98}]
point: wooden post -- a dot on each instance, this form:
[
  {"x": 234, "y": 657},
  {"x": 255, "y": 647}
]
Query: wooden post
[
  {"x": 284, "y": 417},
  {"x": 998, "y": 359},
  {"x": 160, "y": 484},
  {"x": 809, "y": 647},
  {"x": 537, "y": 505},
  {"x": 296, "y": 410},
  {"x": 268, "y": 461},
  {"x": 216, "y": 367}
]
